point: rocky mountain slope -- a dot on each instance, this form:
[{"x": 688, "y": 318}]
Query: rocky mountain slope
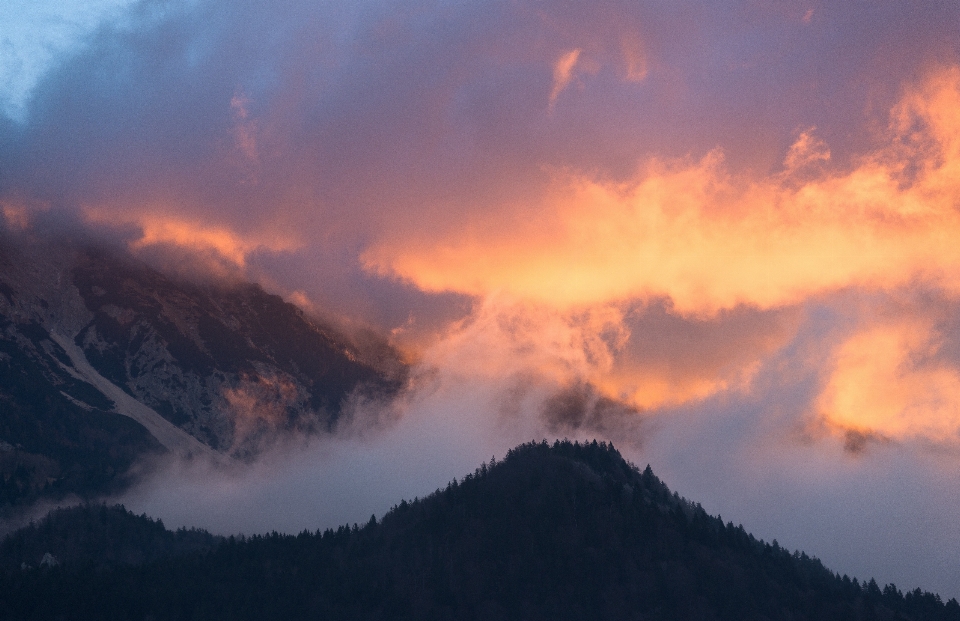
[
  {"x": 104, "y": 359},
  {"x": 559, "y": 532}
]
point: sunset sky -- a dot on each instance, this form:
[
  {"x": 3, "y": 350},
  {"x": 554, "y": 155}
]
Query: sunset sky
[{"x": 724, "y": 235}]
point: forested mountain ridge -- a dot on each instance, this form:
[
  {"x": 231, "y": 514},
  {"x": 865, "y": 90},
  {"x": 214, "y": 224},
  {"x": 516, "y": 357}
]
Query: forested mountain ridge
[
  {"x": 562, "y": 531},
  {"x": 105, "y": 360}
]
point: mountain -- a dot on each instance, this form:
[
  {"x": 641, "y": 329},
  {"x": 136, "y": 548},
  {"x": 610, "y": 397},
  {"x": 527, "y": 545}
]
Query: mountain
[
  {"x": 105, "y": 360},
  {"x": 562, "y": 531}
]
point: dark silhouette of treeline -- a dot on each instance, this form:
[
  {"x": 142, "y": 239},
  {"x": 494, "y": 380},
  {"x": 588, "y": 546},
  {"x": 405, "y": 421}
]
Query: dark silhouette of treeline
[
  {"x": 552, "y": 532},
  {"x": 100, "y": 538}
]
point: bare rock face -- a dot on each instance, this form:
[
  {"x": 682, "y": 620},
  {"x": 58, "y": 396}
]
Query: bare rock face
[
  {"x": 230, "y": 365},
  {"x": 89, "y": 334}
]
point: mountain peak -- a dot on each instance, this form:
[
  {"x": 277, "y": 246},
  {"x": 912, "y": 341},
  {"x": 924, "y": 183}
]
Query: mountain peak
[{"x": 104, "y": 355}]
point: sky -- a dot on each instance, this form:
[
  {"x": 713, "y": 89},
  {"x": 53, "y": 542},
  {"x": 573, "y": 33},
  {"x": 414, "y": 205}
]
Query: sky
[{"x": 720, "y": 234}]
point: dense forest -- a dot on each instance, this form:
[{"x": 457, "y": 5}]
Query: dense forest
[
  {"x": 562, "y": 531},
  {"x": 98, "y": 537}
]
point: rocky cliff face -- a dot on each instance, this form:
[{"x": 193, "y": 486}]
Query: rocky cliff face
[
  {"x": 102, "y": 354},
  {"x": 230, "y": 365}
]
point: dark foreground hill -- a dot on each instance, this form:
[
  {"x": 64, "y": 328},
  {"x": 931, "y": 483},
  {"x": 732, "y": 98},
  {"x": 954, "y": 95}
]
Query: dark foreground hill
[
  {"x": 98, "y": 537},
  {"x": 555, "y": 532}
]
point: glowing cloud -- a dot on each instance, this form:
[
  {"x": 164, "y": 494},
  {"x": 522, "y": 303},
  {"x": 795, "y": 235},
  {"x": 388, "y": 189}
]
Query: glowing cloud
[
  {"x": 191, "y": 236},
  {"x": 887, "y": 380},
  {"x": 645, "y": 357},
  {"x": 709, "y": 240},
  {"x": 563, "y": 73},
  {"x": 557, "y": 276},
  {"x": 807, "y": 150}
]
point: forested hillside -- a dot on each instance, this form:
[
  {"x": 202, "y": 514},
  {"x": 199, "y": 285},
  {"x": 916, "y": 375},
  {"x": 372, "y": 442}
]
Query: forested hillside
[
  {"x": 98, "y": 536},
  {"x": 567, "y": 531}
]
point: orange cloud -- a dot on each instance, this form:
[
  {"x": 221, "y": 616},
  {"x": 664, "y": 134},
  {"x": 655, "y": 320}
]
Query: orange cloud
[
  {"x": 669, "y": 360},
  {"x": 888, "y": 380},
  {"x": 563, "y": 73},
  {"x": 505, "y": 337},
  {"x": 645, "y": 358},
  {"x": 193, "y": 236},
  {"x": 807, "y": 150},
  {"x": 556, "y": 277},
  {"x": 708, "y": 239}
]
